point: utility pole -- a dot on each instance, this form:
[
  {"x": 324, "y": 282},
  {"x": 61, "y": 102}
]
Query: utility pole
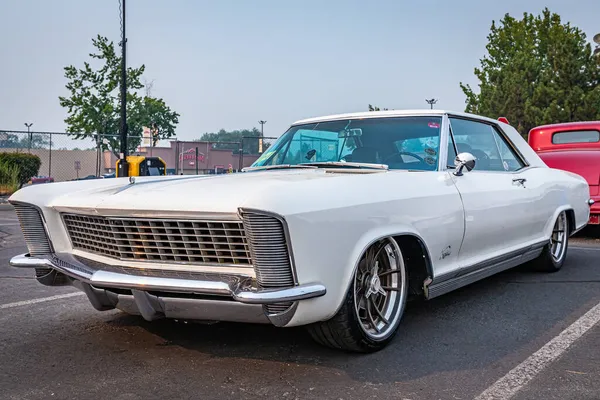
[
  {"x": 431, "y": 102},
  {"x": 29, "y": 135},
  {"x": 123, "y": 166},
  {"x": 262, "y": 134}
]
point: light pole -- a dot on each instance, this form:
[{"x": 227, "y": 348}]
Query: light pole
[
  {"x": 28, "y": 125},
  {"x": 262, "y": 134},
  {"x": 431, "y": 102},
  {"x": 123, "y": 166},
  {"x": 153, "y": 135}
]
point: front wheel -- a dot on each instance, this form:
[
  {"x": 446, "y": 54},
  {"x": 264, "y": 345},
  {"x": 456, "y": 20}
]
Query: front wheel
[
  {"x": 374, "y": 304},
  {"x": 555, "y": 252}
]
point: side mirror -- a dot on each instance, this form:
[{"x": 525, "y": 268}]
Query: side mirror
[{"x": 464, "y": 161}]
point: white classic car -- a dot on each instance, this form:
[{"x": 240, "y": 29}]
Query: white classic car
[{"x": 333, "y": 227}]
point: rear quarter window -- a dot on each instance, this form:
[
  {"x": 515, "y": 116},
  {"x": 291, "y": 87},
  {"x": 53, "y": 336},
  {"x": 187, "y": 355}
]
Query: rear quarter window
[{"x": 589, "y": 136}]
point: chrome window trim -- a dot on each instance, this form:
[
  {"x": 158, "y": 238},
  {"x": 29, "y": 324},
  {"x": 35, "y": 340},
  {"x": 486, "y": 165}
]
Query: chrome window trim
[{"x": 444, "y": 138}]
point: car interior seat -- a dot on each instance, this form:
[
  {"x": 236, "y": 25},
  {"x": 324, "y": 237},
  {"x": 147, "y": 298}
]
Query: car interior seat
[{"x": 365, "y": 155}]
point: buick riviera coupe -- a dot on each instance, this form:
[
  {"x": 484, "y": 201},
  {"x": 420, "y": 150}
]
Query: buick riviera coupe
[
  {"x": 334, "y": 227},
  {"x": 575, "y": 147}
]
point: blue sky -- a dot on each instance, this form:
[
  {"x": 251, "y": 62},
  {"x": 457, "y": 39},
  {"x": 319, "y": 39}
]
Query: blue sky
[{"x": 227, "y": 64}]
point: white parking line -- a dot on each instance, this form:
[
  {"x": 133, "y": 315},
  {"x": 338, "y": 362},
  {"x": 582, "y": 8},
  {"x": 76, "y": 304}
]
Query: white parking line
[
  {"x": 507, "y": 386},
  {"x": 584, "y": 248},
  {"x": 41, "y": 300}
]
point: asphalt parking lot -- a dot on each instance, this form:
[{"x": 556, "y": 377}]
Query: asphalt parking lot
[{"x": 519, "y": 333}]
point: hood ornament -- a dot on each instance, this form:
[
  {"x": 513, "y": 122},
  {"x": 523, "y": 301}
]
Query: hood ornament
[{"x": 132, "y": 180}]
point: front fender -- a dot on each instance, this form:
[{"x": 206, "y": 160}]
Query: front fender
[
  {"x": 335, "y": 268},
  {"x": 328, "y": 245}
]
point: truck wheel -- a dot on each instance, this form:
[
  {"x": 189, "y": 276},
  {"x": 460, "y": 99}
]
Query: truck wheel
[{"x": 371, "y": 312}]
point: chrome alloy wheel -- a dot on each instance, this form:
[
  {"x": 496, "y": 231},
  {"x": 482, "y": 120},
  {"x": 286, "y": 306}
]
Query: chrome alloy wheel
[
  {"x": 380, "y": 289},
  {"x": 559, "y": 237}
]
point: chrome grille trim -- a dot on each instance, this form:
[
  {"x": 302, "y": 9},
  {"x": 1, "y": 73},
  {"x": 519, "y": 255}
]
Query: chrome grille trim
[
  {"x": 190, "y": 241},
  {"x": 270, "y": 251},
  {"x": 33, "y": 228}
]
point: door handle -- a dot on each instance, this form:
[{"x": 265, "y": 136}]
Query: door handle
[{"x": 519, "y": 181}]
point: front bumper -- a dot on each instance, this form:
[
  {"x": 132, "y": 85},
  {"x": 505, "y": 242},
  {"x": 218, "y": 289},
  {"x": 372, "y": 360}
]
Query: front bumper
[{"x": 92, "y": 277}]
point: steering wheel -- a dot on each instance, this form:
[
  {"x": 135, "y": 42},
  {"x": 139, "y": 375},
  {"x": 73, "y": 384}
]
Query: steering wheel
[{"x": 395, "y": 155}]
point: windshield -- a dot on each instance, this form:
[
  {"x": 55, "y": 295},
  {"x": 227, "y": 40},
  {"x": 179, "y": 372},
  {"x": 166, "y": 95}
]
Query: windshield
[{"x": 401, "y": 143}]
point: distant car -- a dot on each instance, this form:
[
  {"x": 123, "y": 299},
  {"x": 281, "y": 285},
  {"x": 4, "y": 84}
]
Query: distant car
[
  {"x": 41, "y": 179},
  {"x": 332, "y": 228},
  {"x": 110, "y": 175},
  {"x": 85, "y": 178},
  {"x": 573, "y": 147}
]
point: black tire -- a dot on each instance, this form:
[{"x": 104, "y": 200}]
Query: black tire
[
  {"x": 547, "y": 261},
  {"x": 345, "y": 330}
]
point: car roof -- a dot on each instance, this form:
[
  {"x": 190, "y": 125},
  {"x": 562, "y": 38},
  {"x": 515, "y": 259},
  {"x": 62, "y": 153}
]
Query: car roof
[
  {"x": 391, "y": 113},
  {"x": 569, "y": 125}
]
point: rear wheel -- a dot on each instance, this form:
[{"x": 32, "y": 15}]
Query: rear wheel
[
  {"x": 374, "y": 304},
  {"x": 555, "y": 252}
]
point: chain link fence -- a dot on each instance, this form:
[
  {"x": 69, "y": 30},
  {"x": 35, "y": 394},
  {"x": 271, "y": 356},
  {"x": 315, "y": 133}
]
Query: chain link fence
[{"x": 67, "y": 156}]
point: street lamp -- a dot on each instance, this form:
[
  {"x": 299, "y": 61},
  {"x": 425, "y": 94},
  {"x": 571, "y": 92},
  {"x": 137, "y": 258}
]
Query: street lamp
[
  {"x": 123, "y": 164},
  {"x": 28, "y": 125},
  {"x": 262, "y": 134},
  {"x": 431, "y": 102}
]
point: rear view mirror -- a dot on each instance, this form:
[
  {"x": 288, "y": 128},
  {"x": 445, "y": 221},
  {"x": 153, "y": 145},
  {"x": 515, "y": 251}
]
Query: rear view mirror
[{"x": 347, "y": 133}]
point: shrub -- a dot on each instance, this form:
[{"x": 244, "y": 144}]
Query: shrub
[
  {"x": 27, "y": 165},
  {"x": 9, "y": 179}
]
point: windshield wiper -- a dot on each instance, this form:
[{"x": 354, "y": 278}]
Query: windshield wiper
[
  {"x": 280, "y": 166},
  {"x": 340, "y": 164}
]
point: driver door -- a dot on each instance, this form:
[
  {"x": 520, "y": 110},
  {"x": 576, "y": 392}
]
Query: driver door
[{"x": 496, "y": 203}]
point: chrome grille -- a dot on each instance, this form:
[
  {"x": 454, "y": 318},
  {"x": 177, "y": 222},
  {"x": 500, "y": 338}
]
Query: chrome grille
[
  {"x": 160, "y": 240},
  {"x": 33, "y": 229},
  {"x": 269, "y": 250}
]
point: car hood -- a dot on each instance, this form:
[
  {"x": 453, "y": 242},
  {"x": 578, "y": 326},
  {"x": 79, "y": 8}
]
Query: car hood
[
  {"x": 274, "y": 189},
  {"x": 585, "y": 163}
]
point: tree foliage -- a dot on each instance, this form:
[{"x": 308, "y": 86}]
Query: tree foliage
[
  {"x": 538, "y": 70},
  {"x": 375, "y": 108},
  {"x": 93, "y": 105},
  {"x": 12, "y": 141},
  {"x": 231, "y": 140}
]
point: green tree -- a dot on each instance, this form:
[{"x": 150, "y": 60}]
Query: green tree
[
  {"x": 94, "y": 101},
  {"x": 538, "y": 70},
  {"x": 12, "y": 141},
  {"x": 375, "y": 108},
  {"x": 231, "y": 140}
]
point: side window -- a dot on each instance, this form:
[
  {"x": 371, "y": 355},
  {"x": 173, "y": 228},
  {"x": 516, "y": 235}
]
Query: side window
[
  {"x": 485, "y": 143},
  {"x": 510, "y": 160}
]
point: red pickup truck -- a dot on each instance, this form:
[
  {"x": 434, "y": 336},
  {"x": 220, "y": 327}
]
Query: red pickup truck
[{"x": 575, "y": 147}]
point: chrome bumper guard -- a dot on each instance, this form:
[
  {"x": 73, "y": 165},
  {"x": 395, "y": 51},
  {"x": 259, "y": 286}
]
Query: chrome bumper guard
[{"x": 239, "y": 288}]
